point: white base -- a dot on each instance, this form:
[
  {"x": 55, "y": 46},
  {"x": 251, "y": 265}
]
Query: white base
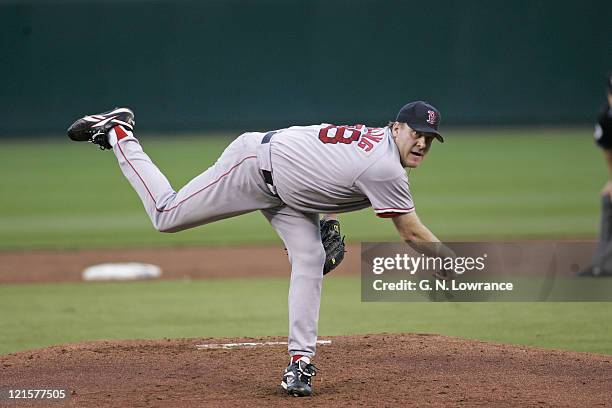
[{"x": 121, "y": 271}]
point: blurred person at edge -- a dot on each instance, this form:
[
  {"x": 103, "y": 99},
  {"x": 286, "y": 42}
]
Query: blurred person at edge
[{"x": 602, "y": 259}]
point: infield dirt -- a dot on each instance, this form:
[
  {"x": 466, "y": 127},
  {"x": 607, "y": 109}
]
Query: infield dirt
[
  {"x": 41, "y": 266},
  {"x": 366, "y": 370}
]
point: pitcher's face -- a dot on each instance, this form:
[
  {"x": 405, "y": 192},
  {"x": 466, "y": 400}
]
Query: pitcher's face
[{"x": 413, "y": 146}]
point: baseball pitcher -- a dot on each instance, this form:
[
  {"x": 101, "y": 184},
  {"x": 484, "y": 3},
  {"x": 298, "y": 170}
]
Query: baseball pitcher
[{"x": 292, "y": 176}]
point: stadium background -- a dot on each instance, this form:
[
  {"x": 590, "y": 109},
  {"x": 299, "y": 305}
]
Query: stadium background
[
  {"x": 518, "y": 84},
  {"x": 231, "y": 64}
]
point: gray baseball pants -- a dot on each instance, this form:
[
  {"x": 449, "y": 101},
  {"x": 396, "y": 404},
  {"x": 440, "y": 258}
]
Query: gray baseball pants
[
  {"x": 602, "y": 259},
  {"x": 235, "y": 185}
]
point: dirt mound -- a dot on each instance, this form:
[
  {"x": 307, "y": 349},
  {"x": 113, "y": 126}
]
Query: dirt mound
[{"x": 365, "y": 370}]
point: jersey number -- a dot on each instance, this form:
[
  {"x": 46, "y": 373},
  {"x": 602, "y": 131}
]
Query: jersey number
[
  {"x": 340, "y": 134},
  {"x": 349, "y": 134}
]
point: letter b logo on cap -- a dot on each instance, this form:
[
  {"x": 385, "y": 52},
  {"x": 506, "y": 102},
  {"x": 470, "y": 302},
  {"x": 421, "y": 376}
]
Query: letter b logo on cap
[{"x": 431, "y": 117}]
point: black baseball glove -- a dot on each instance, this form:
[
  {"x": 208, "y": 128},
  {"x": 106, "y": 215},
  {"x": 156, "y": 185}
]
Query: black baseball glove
[{"x": 333, "y": 243}]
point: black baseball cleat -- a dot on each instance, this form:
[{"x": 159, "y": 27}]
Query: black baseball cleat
[
  {"x": 94, "y": 128},
  {"x": 297, "y": 378}
]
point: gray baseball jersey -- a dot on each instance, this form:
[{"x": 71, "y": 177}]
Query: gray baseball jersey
[
  {"x": 332, "y": 169},
  {"x": 314, "y": 169}
]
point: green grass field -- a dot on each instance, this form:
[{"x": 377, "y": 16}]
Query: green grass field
[
  {"x": 38, "y": 315},
  {"x": 486, "y": 184}
]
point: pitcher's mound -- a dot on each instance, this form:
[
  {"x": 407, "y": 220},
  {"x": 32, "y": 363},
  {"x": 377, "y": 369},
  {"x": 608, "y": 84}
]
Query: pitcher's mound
[{"x": 365, "y": 370}]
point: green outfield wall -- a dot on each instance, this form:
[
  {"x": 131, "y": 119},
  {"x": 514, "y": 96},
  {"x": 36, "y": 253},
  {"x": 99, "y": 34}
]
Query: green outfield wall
[{"x": 227, "y": 64}]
